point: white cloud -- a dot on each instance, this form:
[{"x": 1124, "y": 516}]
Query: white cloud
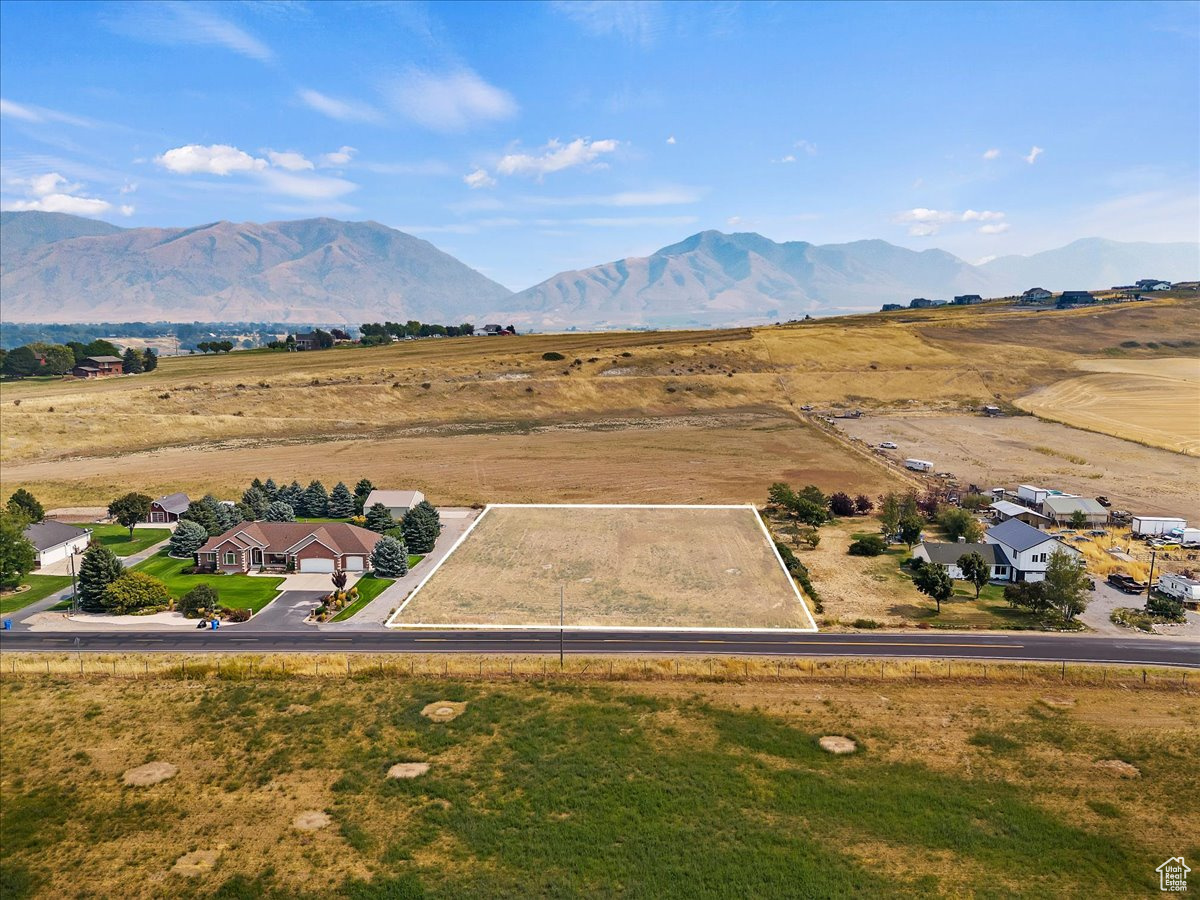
[
  {"x": 308, "y": 187},
  {"x": 52, "y": 192},
  {"x": 339, "y": 157},
  {"x": 177, "y": 22},
  {"x": 342, "y": 110},
  {"x": 786, "y": 159},
  {"x": 733, "y": 221},
  {"x": 1034, "y": 153},
  {"x": 997, "y": 228},
  {"x": 290, "y": 160},
  {"x": 925, "y": 222},
  {"x": 636, "y": 21},
  {"x": 666, "y": 196},
  {"x": 986, "y": 215},
  {"x": 479, "y": 179},
  {"x": 629, "y": 221},
  {"x": 555, "y": 157},
  {"x": 37, "y": 114},
  {"x": 129, "y": 187},
  {"x": 126, "y": 209},
  {"x": 214, "y": 159},
  {"x": 671, "y": 139},
  {"x": 449, "y": 101},
  {"x": 993, "y": 153},
  {"x": 807, "y": 146},
  {"x": 428, "y": 167},
  {"x": 984, "y": 260}
]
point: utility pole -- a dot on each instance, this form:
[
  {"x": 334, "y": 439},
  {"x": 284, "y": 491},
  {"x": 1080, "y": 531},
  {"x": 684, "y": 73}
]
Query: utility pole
[
  {"x": 562, "y": 594},
  {"x": 1150, "y": 580}
]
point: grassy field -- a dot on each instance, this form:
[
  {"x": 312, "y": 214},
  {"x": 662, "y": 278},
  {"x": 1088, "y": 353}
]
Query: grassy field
[
  {"x": 648, "y": 567},
  {"x": 116, "y": 537},
  {"x": 40, "y": 587},
  {"x": 571, "y": 788},
  {"x": 235, "y": 591},
  {"x": 369, "y": 587},
  {"x": 639, "y": 416},
  {"x": 1151, "y": 401}
]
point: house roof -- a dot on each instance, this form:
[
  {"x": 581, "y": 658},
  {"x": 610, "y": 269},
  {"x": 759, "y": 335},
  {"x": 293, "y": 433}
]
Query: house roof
[
  {"x": 306, "y": 336},
  {"x": 948, "y": 554},
  {"x": 278, "y": 537},
  {"x": 104, "y": 359},
  {"x": 1064, "y": 506},
  {"x": 1016, "y": 535},
  {"x": 1008, "y": 508},
  {"x": 174, "y": 503},
  {"x": 391, "y": 499},
  {"x": 1037, "y": 291},
  {"x": 50, "y": 533}
]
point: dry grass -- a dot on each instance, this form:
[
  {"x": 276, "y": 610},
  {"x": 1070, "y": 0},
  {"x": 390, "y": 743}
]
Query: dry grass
[
  {"x": 644, "y": 567},
  {"x": 1151, "y": 401}
]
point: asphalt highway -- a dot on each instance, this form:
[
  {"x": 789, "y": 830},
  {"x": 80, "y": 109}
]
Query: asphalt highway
[{"x": 1016, "y": 647}]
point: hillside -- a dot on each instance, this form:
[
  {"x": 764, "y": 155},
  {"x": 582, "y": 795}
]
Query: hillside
[
  {"x": 57, "y": 269},
  {"x": 713, "y": 278}
]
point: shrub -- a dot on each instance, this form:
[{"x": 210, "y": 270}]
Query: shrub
[
  {"x": 235, "y": 615},
  {"x": 552, "y": 356},
  {"x": 1164, "y": 608},
  {"x": 867, "y": 623},
  {"x": 870, "y": 545},
  {"x": 799, "y": 571},
  {"x": 134, "y": 591},
  {"x": 199, "y": 601},
  {"x": 841, "y": 504},
  {"x": 914, "y": 563}
]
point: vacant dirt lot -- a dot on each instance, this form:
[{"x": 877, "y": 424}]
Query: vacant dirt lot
[
  {"x": 648, "y": 567},
  {"x": 1023, "y": 449},
  {"x": 1153, "y": 401}
]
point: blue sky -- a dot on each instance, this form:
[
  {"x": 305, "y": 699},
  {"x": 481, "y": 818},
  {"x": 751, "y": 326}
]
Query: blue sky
[{"x": 529, "y": 138}]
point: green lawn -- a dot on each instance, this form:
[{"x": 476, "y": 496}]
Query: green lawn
[
  {"x": 235, "y": 591},
  {"x": 369, "y": 587},
  {"x": 311, "y": 519},
  {"x": 116, "y": 538},
  {"x": 40, "y": 587},
  {"x": 413, "y": 559}
]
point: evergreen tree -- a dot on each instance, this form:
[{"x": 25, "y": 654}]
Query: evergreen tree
[
  {"x": 17, "y": 555},
  {"x": 149, "y": 360},
  {"x": 293, "y": 496},
  {"x": 256, "y": 501},
  {"x": 257, "y": 483},
  {"x": 278, "y": 511},
  {"x": 341, "y": 502},
  {"x": 132, "y": 362},
  {"x": 24, "y": 504},
  {"x": 98, "y": 569},
  {"x": 379, "y": 518},
  {"x": 421, "y": 525},
  {"x": 389, "y": 559},
  {"x": 271, "y": 489},
  {"x": 362, "y": 491},
  {"x": 187, "y": 539},
  {"x": 316, "y": 500},
  {"x": 203, "y": 516}
]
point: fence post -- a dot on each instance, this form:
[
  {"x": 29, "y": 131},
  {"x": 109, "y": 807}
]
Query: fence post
[{"x": 1064, "y": 671}]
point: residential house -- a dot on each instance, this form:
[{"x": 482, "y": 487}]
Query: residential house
[
  {"x": 1003, "y": 510},
  {"x": 920, "y": 303},
  {"x": 494, "y": 330},
  {"x": 308, "y": 341},
  {"x": 1153, "y": 284},
  {"x": 168, "y": 508},
  {"x": 948, "y": 555},
  {"x": 55, "y": 541},
  {"x": 1062, "y": 508},
  {"x": 892, "y": 307},
  {"x": 397, "y": 502},
  {"x": 289, "y": 547},
  {"x": 1028, "y": 550},
  {"x": 1075, "y": 298},
  {"x": 1036, "y": 295},
  {"x": 99, "y": 367},
  {"x": 967, "y": 299}
]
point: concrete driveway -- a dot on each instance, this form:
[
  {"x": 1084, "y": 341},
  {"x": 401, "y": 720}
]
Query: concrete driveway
[
  {"x": 311, "y": 581},
  {"x": 286, "y": 612}
]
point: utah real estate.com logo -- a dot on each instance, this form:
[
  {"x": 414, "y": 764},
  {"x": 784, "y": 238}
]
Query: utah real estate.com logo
[{"x": 1172, "y": 875}]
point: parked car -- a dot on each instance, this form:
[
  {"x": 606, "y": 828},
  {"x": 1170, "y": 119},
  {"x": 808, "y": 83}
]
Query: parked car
[
  {"x": 1126, "y": 583},
  {"x": 1165, "y": 545},
  {"x": 887, "y": 445},
  {"x": 1098, "y": 533},
  {"x": 1103, "y": 501}
]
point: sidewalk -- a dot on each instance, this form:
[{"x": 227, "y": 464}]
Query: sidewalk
[{"x": 454, "y": 522}]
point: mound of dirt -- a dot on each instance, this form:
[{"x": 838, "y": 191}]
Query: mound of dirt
[
  {"x": 150, "y": 773},
  {"x": 1120, "y": 768},
  {"x": 837, "y": 745},
  {"x": 195, "y": 863},
  {"x": 444, "y": 710},
  {"x": 408, "y": 770},
  {"x": 312, "y": 820},
  {"x": 1058, "y": 702}
]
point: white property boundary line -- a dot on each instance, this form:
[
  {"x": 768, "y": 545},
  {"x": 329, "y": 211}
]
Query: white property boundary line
[{"x": 392, "y": 623}]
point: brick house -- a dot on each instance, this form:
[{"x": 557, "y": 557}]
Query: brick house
[
  {"x": 289, "y": 547},
  {"x": 99, "y": 367},
  {"x": 168, "y": 508}
]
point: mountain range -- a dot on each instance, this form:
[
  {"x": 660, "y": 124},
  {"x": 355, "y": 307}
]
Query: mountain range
[{"x": 61, "y": 268}]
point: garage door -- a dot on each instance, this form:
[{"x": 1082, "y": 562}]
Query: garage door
[
  {"x": 354, "y": 564},
  {"x": 316, "y": 565}
]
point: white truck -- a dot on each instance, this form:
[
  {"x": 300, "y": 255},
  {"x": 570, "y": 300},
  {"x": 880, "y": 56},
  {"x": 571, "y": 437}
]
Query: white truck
[{"x": 1148, "y": 526}]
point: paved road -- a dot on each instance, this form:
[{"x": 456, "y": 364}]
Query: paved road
[{"x": 1030, "y": 648}]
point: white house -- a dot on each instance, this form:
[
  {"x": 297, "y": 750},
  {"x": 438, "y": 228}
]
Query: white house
[
  {"x": 1031, "y": 495},
  {"x": 1027, "y": 549},
  {"x": 397, "y": 502},
  {"x": 56, "y": 541},
  {"x": 947, "y": 556}
]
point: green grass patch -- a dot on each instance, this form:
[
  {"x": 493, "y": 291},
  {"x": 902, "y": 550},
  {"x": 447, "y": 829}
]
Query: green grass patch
[
  {"x": 990, "y": 740},
  {"x": 40, "y": 587},
  {"x": 116, "y": 538},
  {"x": 235, "y": 591},
  {"x": 311, "y": 519},
  {"x": 369, "y": 587}
]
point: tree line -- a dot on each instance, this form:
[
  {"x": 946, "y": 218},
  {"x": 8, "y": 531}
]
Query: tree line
[
  {"x": 381, "y": 333},
  {"x": 39, "y": 358}
]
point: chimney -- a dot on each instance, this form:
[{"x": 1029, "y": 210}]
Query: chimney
[{"x": 962, "y": 539}]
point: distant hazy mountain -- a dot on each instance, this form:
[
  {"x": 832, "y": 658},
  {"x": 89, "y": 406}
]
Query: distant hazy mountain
[
  {"x": 56, "y": 268},
  {"x": 714, "y": 278}
]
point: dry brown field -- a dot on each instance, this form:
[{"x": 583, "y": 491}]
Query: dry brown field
[
  {"x": 1151, "y": 401},
  {"x": 630, "y": 567},
  {"x": 1007, "y": 451},
  {"x": 625, "y": 416}
]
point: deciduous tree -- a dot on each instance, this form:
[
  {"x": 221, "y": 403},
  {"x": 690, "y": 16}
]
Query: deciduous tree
[
  {"x": 863, "y": 504},
  {"x": 24, "y": 504},
  {"x": 841, "y": 504},
  {"x": 889, "y": 514},
  {"x": 17, "y": 554},
  {"x": 910, "y": 529},
  {"x": 130, "y": 509},
  {"x": 200, "y": 602},
  {"x": 1067, "y": 584},
  {"x": 960, "y": 523},
  {"x": 934, "y": 582},
  {"x": 975, "y": 569}
]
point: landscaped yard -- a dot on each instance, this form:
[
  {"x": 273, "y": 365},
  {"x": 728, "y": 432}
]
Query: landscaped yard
[
  {"x": 40, "y": 587},
  {"x": 369, "y": 587},
  {"x": 116, "y": 538},
  {"x": 235, "y": 591}
]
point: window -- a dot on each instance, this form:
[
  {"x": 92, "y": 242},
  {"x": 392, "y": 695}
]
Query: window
[
  {"x": 230, "y": 558},
  {"x": 1001, "y": 571}
]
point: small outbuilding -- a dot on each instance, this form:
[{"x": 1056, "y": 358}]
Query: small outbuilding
[
  {"x": 168, "y": 509},
  {"x": 1003, "y": 510},
  {"x": 1062, "y": 510},
  {"x": 397, "y": 502}
]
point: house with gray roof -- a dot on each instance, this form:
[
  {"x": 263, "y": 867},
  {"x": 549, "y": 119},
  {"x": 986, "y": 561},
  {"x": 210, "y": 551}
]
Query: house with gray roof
[
  {"x": 948, "y": 555},
  {"x": 1003, "y": 510},
  {"x": 1061, "y": 509},
  {"x": 1028, "y": 550},
  {"x": 397, "y": 502},
  {"x": 168, "y": 509},
  {"x": 55, "y": 541}
]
